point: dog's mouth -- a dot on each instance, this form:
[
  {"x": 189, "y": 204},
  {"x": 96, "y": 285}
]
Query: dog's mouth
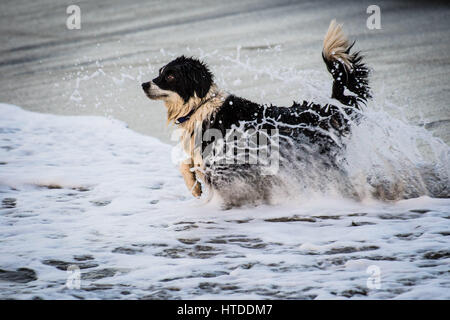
[
  {"x": 153, "y": 91},
  {"x": 155, "y": 96}
]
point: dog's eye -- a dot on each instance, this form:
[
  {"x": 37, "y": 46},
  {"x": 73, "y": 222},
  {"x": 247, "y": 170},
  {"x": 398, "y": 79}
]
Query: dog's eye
[{"x": 170, "y": 78}]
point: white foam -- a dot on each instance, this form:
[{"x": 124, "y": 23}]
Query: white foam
[{"x": 90, "y": 186}]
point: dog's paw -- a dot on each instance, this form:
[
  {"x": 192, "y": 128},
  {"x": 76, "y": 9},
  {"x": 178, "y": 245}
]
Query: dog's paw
[{"x": 197, "y": 190}]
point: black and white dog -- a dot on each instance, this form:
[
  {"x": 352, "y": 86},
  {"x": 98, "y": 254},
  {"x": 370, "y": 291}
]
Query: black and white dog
[{"x": 304, "y": 131}]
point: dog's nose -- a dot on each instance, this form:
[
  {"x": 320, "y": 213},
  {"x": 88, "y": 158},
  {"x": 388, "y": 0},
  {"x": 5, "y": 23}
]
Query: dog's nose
[{"x": 146, "y": 86}]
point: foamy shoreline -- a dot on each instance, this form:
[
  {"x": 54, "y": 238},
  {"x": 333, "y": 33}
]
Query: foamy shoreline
[{"x": 89, "y": 193}]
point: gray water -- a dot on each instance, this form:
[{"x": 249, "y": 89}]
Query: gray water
[{"x": 247, "y": 44}]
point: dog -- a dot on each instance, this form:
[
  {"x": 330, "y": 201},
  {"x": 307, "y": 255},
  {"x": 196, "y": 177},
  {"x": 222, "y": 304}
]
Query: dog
[{"x": 305, "y": 131}]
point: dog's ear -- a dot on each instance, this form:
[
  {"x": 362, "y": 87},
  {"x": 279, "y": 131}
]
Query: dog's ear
[
  {"x": 201, "y": 77},
  {"x": 203, "y": 84}
]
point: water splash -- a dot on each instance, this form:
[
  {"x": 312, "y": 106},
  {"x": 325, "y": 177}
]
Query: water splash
[{"x": 388, "y": 158}]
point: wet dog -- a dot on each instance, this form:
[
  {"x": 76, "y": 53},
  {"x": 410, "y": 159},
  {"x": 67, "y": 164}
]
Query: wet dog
[{"x": 208, "y": 116}]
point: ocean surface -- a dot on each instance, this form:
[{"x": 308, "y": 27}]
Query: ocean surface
[{"x": 92, "y": 205}]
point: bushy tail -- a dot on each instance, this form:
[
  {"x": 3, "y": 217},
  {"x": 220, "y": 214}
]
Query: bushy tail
[{"x": 348, "y": 70}]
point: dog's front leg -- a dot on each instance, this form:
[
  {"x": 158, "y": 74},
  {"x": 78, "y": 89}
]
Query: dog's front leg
[{"x": 189, "y": 179}]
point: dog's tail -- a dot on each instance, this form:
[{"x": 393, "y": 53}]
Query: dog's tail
[{"x": 347, "y": 69}]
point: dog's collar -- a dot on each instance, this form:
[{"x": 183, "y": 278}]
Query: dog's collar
[{"x": 180, "y": 120}]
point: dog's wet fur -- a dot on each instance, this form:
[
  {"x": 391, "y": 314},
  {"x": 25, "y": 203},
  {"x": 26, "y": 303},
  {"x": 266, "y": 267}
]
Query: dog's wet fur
[{"x": 308, "y": 132}]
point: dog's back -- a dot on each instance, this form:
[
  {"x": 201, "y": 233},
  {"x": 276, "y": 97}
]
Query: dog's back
[{"x": 306, "y": 120}]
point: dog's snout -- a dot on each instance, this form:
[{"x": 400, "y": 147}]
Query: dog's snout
[{"x": 146, "y": 86}]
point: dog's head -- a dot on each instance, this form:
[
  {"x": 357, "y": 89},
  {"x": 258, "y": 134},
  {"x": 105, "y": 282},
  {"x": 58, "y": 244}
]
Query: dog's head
[{"x": 179, "y": 81}]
